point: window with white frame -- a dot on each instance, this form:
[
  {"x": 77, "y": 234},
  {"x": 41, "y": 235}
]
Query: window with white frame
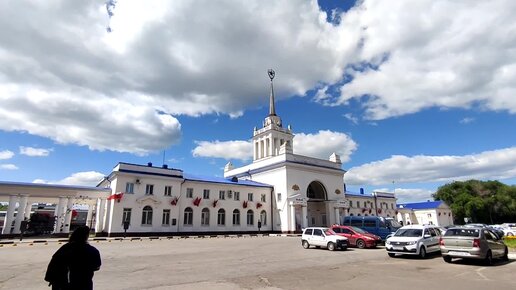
[
  {"x": 263, "y": 218},
  {"x": 166, "y": 217},
  {"x": 250, "y": 218},
  {"x": 205, "y": 217},
  {"x": 188, "y": 216},
  {"x": 206, "y": 194},
  {"x": 149, "y": 189},
  {"x": 147, "y": 216},
  {"x": 222, "y": 194},
  {"x": 236, "y": 217},
  {"x": 230, "y": 194},
  {"x": 168, "y": 190},
  {"x": 279, "y": 196},
  {"x": 126, "y": 215},
  {"x": 250, "y": 196},
  {"x": 129, "y": 187},
  {"x": 236, "y": 195},
  {"x": 189, "y": 192},
  {"x": 263, "y": 198},
  {"x": 221, "y": 217}
]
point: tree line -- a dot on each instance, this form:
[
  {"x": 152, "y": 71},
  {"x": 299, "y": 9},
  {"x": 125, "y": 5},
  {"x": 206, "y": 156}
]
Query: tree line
[{"x": 489, "y": 202}]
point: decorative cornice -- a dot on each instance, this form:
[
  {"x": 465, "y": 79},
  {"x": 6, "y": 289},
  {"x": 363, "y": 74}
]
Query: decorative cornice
[{"x": 148, "y": 198}]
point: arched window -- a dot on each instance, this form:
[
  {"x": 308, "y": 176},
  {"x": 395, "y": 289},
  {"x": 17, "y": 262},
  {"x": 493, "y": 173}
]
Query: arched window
[
  {"x": 250, "y": 218},
  {"x": 221, "y": 217},
  {"x": 188, "y": 216},
  {"x": 351, "y": 214},
  {"x": 358, "y": 214},
  {"x": 205, "y": 217},
  {"x": 236, "y": 217},
  {"x": 263, "y": 218},
  {"x": 147, "y": 215}
]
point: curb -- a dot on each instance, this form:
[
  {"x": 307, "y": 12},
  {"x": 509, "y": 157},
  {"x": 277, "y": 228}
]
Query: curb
[{"x": 131, "y": 239}]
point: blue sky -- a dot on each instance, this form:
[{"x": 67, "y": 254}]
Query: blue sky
[{"x": 410, "y": 95}]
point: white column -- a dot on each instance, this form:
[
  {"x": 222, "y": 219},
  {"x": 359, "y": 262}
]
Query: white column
[
  {"x": 9, "y": 217},
  {"x": 68, "y": 215},
  {"x": 59, "y": 214},
  {"x": 89, "y": 216},
  {"x": 28, "y": 208},
  {"x": 100, "y": 215},
  {"x": 292, "y": 218},
  {"x": 21, "y": 214},
  {"x": 304, "y": 212},
  {"x": 337, "y": 215}
]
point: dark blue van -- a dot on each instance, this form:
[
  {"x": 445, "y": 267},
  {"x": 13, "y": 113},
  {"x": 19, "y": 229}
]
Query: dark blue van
[{"x": 377, "y": 225}]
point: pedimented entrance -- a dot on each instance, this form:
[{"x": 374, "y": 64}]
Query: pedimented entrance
[{"x": 317, "y": 204}]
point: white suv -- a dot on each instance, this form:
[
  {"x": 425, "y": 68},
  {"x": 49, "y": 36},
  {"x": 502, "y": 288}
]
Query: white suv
[
  {"x": 323, "y": 237},
  {"x": 414, "y": 240}
]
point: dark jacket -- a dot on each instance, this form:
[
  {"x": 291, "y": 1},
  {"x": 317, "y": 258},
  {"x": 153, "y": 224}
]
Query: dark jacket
[{"x": 72, "y": 266}]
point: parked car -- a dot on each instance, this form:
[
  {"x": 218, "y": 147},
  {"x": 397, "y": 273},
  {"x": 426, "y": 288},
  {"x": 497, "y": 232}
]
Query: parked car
[
  {"x": 499, "y": 233},
  {"x": 357, "y": 237},
  {"x": 414, "y": 240},
  {"x": 323, "y": 237},
  {"x": 375, "y": 225},
  {"x": 472, "y": 243}
]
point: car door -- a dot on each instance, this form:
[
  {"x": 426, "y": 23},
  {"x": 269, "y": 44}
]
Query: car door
[
  {"x": 434, "y": 240},
  {"x": 352, "y": 238},
  {"x": 427, "y": 240},
  {"x": 318, "y": 238},
  {"x": 494, "y": 244}
]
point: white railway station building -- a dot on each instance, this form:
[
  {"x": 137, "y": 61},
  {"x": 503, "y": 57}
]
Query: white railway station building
[{"x": 278, "y": 192}]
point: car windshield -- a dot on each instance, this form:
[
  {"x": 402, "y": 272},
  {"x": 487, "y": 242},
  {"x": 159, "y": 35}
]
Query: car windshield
[
  {"x": 463, "y": 232},
  {"x": 359, "y": 230},
  {"x": 409, "y": 233},
  {"x": 329, "y": 232},
  {"x": 393, "y": 223}
]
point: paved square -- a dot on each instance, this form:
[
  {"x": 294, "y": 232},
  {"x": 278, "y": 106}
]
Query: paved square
[{"x": 252, "y": 263}]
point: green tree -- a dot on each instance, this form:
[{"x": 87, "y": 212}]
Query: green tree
[{"x": 487, "y": 202}]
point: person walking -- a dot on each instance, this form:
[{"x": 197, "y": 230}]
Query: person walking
[{"x": 73, "y": 265}]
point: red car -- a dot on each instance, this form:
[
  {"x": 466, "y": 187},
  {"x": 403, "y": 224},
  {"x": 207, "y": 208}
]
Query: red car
[{"x": 357, "y": 237}]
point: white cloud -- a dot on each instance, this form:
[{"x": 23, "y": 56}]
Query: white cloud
[
  {"x": 432, "y": 53},
  {"x": 103, "y": 90},
  {"x": 31, "y": 151},
  {"x": 123, "y": 90},
  {"x": 405, "y": 195},
  {"x": 6, "y": 154},
  {"x": 8, "y": 167},
  {"x": 467, "y": 120},
  {"x": 496, "y": 164},
  {"x": 352, "y": 118},
  {"x": 323, "y": 144},
  {"x": 320, "y": 145},
  {"x": 86, "y": 178},
  {"x": 242, "y": 150}
]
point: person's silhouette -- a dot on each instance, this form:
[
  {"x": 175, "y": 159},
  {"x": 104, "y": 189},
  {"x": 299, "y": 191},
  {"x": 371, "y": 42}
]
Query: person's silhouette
[{"x": 72, "y": 266}]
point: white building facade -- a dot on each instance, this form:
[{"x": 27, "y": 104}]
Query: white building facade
[
  {"x": 160, "y": 200},
  {"x": 425, "y": 213},
  {"x": 306, "y": 191}
]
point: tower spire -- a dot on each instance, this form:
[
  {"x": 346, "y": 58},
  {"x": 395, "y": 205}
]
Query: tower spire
[{"x": 272, "y": 109}]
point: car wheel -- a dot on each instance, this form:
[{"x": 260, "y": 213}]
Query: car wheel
[
  {"x": 360, "y": 244},
  {"x": 489, "y": 259},
  {"x": 331, "y": 246},
  {"x": 510, "y": 234},
  {"x": 422, "y": 252},
  {"x": 392, "y": 255},
  {"x": 506, "y": 254},
  {"x": 306, "y": 245},
  {"x": 447, "y": 259}
]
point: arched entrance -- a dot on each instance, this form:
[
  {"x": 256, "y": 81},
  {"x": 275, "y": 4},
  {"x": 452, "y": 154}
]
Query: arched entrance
[{"x": 316, "y": 204}]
